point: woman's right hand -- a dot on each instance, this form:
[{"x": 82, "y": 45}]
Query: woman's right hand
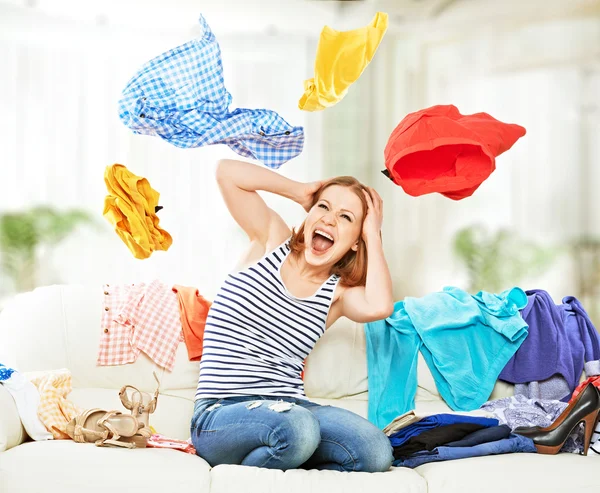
[{"x": 306, "y": 194}]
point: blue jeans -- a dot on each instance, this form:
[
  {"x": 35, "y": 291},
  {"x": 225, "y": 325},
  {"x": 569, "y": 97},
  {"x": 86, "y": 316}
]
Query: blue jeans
[
  {"x": 511, "y": 445},
  {"x": 287, "y": 433}
]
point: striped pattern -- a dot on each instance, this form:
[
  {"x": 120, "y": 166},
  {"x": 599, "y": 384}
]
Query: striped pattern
[
  {"x": 595, "y": 443},
  {"x": 258, "y": 335}
]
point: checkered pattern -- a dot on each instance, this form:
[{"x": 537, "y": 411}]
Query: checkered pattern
[
  {"x": 156, "y": 322},
  {"x": 180, "y": 96},
  {"x": 55, "y": 410},
  {"x": 140, "y": 317},
  {"x": 115, "y": 343}
]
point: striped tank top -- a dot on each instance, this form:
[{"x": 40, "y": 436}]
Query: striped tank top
[{"x": 258, "y": 334}]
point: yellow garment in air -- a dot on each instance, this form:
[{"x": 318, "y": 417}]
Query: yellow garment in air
[
  {"x": 342, "y": 56},
  {"x": 130, "y": 207}
]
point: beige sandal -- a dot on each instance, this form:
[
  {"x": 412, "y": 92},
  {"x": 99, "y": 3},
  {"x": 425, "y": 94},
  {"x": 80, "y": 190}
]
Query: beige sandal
[
  {"x": 141, "y": 404},
  {"x": 106, "y": 428}
]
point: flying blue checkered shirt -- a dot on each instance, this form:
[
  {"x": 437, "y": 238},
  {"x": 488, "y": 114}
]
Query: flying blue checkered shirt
[{"x": 180, "y": 96}]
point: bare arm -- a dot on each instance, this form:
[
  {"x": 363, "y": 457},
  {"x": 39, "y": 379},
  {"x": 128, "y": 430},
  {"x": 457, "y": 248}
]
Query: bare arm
[
  {"x": 239, "y": 182},
  {"x": 374, "y": 301}
]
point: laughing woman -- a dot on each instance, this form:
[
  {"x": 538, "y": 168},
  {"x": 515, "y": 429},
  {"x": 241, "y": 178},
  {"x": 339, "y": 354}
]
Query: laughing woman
[{"x": 290, "y": 286}]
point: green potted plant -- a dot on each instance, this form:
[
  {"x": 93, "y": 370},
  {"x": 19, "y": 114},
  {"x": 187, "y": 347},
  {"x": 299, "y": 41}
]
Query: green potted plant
[
  {"x": 586, "y": 256},
  {"x": 22, "y": 234},
  {"x": 499, "y": 261}
]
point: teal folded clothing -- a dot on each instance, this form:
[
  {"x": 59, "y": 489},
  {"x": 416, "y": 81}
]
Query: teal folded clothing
[{"x": 466, "y": 340}]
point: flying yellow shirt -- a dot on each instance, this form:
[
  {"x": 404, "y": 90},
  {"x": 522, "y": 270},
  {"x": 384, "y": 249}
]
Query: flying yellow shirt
[
  {"x": 131, "y": 207},
  {"x": 341, "y": 59}
]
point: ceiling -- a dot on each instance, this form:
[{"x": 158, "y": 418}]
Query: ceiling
[{"x": 299, "y": 16}]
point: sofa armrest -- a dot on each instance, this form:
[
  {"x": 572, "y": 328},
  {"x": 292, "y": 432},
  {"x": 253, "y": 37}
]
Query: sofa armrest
[{"x": 12, "y": 432}]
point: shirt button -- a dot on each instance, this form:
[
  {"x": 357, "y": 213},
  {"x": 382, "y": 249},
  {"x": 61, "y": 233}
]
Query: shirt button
[
  {"x": 105, "y": 292},
  {"x": 288, "y": 132},
  {"x": 142, "y": 115},
  {"x": 106, "y": 331},
  {"x": 105, "y": 308},
  {"x": 262, "y": 134}
]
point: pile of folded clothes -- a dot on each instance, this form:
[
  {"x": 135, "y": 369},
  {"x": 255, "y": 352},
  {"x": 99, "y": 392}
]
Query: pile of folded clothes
[{"x": 440, "y": 437}]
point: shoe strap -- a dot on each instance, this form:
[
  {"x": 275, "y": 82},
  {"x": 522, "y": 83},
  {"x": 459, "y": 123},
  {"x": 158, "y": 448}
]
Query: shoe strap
[
  {"x": 125, "y": 398},
  {"x": 152, "y": 404},
  {"x": 150, "y": 407},
  {"x": 80, "y": 432}
]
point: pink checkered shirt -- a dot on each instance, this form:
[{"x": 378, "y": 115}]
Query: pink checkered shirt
[{"x": 140, "y": 317}]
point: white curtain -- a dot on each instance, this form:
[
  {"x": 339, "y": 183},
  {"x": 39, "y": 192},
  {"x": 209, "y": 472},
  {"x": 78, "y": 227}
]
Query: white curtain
[
  {"x": 540, "y": 76},
  {"x": 60, "y": 129}
]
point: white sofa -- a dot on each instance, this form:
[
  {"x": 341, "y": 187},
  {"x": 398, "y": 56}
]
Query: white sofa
[{"x": 59, "y": 327}]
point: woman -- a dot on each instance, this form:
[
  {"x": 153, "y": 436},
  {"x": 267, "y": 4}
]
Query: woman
[{"x": 291, "y": 286}]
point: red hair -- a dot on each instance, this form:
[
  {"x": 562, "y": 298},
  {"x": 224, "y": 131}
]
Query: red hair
[{"x": 352, "y": 267}]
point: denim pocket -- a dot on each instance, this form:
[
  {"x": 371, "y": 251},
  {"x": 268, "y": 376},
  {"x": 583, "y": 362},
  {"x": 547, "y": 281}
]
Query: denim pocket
[
  {"x": 202, "y": 409},
  {"x": 204, "y": 415}
]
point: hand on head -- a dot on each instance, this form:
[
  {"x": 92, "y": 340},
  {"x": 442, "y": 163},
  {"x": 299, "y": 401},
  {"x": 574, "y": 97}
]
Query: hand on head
[
  {"x": 374, "y": 218},
  {"x": 306, "y": 196}
]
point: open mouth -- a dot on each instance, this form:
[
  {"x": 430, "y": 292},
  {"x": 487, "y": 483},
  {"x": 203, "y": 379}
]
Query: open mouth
[{"x": 321, "y": 241}]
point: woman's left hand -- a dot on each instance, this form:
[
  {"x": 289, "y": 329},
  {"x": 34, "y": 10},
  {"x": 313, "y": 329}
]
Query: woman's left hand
[{"x": 374, "y": 219}]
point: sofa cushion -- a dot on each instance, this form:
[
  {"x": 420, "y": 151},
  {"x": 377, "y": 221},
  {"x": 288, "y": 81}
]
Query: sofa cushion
[
  {"x": 337, "y": 366},
  {"x": 340, "y": 355},
  {"x": 226, "y": 479},
  {"x": 63, "y": 465},
  {"x": 532, "y": 473},
  {"x": 12, "y": 432},
  {"x": 70, "y": 317}
]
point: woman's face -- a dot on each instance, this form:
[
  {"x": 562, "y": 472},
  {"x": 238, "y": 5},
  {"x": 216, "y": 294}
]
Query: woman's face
[{"x": 333, "y": 226}]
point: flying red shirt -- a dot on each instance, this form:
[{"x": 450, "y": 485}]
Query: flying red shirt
[{"x": 438, "y": 150}]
